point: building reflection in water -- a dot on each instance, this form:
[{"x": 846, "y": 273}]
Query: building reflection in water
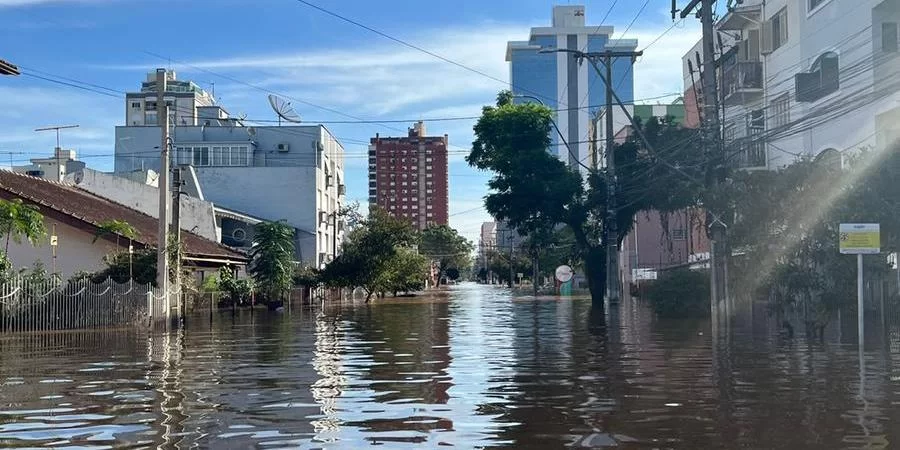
[{"x": 331, "y": 380}]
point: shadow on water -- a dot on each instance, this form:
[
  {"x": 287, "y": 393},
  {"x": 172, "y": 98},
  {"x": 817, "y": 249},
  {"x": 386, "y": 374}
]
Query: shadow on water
[{"x": 471, "y": 367}]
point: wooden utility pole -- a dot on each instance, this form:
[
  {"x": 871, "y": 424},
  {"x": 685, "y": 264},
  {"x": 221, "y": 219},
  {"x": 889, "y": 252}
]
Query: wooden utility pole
[
  {"x": 162, "y": 257},
  {"x": 715, "y": 152}
]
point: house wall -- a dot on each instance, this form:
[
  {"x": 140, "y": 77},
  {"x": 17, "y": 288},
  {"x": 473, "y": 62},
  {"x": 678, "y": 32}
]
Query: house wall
[
  {"x": 75, "y": 251},
  {"x": 197, "y": 216},
  {"x": 274, "y": 193}
]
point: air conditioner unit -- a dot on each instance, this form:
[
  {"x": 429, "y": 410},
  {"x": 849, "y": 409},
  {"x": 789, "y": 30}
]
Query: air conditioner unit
[
  {"x": 342, "y": 189},
  {"x": 284, "y": 147}
]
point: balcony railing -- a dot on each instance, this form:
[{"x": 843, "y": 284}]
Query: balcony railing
[
  {"x": 742, "y": 77},
  {"x": 746, "y": 154}
]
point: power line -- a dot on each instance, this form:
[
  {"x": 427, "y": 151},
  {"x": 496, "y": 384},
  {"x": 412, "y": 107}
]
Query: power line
[{"x": 420, "y": 49}]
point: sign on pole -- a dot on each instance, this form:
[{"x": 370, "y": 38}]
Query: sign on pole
[
  {"x": 860, "y": 238},
  {"x": 564, "y": 273}
]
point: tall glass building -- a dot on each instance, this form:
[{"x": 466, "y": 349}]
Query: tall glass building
[{"x": 573, "y": 89}]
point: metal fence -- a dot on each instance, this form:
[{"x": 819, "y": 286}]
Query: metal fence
[{"x": 48, "y": 305}]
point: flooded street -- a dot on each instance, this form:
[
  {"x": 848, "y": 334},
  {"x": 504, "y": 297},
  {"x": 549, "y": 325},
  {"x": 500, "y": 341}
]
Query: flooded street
[{"x": 470, "y": 368}]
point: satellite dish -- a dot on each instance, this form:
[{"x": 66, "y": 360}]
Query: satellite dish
[
  {"x": 251, "y": 131},
  {"x": 283, "y": 109},
  {"x": 79, "y": 177}
]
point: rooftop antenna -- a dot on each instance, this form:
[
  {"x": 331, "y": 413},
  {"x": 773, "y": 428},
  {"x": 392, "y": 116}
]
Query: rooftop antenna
[
  {"x": 283, "y": 109},
  {"x": 56, "y": 151}
]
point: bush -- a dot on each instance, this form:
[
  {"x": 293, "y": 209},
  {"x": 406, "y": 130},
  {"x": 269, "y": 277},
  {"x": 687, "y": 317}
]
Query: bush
[{"x": 680, "y": 293}]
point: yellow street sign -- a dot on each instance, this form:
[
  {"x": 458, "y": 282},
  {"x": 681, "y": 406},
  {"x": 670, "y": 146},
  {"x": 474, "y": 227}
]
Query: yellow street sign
[{"x": 860, "y": 238}]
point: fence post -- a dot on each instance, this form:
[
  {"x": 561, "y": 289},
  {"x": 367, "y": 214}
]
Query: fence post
[{"x": 150, "y": 306}]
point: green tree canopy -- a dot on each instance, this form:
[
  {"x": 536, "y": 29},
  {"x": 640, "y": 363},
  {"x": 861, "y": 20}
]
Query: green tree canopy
[
  {"x": 451, "y": 251},
  {"x": 19, "y": 222},
  {"x": 535, "y": 192},
  {"x": 272, "y": 264},
  {"x": 370, "y": 254}
]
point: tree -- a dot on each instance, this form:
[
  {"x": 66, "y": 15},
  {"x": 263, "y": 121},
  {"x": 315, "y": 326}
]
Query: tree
[
  {"x": 272, "y": 264},
  {"x": 535, "y": 192},
  {"x": 19, "y": 221},
  {"x": 369, "y": 254},
  {"x": 451, "y": 251},
  {"x": 117, "y": 228},
  {"x": 119, "y": 266}
]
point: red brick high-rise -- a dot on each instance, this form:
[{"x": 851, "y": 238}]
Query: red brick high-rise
[{"x": 408, "y": 177}]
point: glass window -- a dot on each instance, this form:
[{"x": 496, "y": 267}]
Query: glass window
[
  {"x": 201, "y": 156},
  {"x": 813, "y": 4},
  {"x": 779, "y": 29},
  {"x": 136, "y": 105},
  {"x": 781, "y": 110}
]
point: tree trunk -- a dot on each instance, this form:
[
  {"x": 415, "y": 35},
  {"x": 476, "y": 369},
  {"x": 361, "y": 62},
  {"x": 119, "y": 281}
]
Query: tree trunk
[{"x": 595, "y": 273}]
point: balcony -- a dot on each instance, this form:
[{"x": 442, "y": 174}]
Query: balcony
[
  {"x": 747, "y": 155},
  {"x": 742, "y": 82}
]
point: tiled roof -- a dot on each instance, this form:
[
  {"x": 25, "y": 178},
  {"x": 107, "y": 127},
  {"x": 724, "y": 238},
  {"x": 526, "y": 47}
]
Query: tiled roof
[{"x": 91, "y": 210}]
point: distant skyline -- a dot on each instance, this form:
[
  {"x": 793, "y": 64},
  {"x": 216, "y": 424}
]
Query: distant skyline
[{"x": 331, "y": 70}]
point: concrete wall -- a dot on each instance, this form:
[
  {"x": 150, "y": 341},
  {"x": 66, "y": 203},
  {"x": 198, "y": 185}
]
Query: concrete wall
[
  {"x": 272, "y": 193},
  {"x": 74, "y": 253},
  {"x": 196, "y": 215}
]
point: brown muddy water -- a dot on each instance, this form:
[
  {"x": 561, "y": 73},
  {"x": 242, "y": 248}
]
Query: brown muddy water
[{"x": 470, "y": 368}]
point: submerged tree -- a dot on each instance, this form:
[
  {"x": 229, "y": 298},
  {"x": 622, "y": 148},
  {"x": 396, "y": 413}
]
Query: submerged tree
[
  {"x": 536, "y": 192},
  {"x": 272, "y": 265},
  {"x": 444, "y": 245},
  {"x": 370, "y": 255}
]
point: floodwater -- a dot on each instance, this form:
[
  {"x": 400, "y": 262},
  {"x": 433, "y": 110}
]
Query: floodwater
[{"x": 470, "y": 368}]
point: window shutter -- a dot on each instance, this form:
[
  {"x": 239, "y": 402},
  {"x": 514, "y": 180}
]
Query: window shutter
[{"x": 766, "y": 41}]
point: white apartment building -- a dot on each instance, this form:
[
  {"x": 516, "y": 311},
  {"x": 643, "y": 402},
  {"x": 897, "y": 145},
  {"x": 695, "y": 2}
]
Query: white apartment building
[
  {"x": 250, "y": 174},
  {"x": 805, "y": 78},
  {"x": 182, "y": 97}
]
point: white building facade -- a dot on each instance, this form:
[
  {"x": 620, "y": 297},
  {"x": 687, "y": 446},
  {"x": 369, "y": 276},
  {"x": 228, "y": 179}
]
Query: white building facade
[
  {"x": 268, "y": 173},
  {"x": 806, "y": 78}
]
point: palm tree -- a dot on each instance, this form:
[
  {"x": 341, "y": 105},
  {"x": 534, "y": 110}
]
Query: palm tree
[{"x": 19, "y": 221}]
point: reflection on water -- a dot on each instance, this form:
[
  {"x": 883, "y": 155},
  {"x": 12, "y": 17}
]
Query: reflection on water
[{"x": 469, "y": 368}]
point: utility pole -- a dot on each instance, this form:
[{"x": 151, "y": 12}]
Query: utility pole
[
  {"x": 162, "y": 257},
  {"x": 718, "y": 232},
  {"x": 175, "y": 230},
  {"x": 613, "y": 291}
]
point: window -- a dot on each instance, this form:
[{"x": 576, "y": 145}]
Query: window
[
  {"x": 889, "y": 37},
  {"x": 429, "y": 175},
  {"x": 428, "y": 206},
  {"x": 201, "y": 156},
  {"x": 781, "y": 110},
  {"x": 813, "y": 4},
  {"x": 756, "y": 122},
  {"x": 821, "y": 80},
  {"x": 679, "y": 234},
  {"x": 136, "y": 105},
  {"x": 150, "y": 106},
  {"x": 779, "y": 29}
]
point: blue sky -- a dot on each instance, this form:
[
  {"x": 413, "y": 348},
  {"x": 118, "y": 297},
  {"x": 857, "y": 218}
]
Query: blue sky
[{"x": 286, "y": 47}]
